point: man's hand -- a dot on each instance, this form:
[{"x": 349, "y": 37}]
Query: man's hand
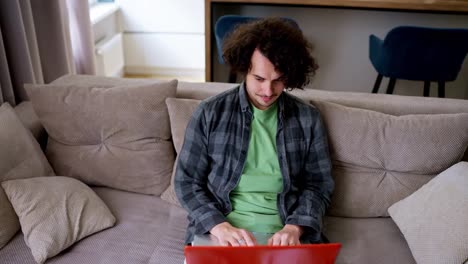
[
  {"x": 288, "y": 236},
  {"x": 229, "y": 235}
]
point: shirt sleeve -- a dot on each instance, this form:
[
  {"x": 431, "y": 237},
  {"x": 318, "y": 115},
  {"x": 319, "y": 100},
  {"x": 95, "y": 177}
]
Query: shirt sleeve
[
  {"x": 317, "y": 185},
  {"x": 191, "y": 176}
]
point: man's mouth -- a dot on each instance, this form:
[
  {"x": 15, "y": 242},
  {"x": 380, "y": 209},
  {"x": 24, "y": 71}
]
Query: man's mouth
[{"x": 266, "y": 99}]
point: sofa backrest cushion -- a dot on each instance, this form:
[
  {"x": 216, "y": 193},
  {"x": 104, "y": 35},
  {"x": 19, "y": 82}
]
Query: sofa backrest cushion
[
  {"x": 104, "y": 135},
  {"x": 385, "y": 103},
  {"x": 378, "y": 159},
  {"x": 20, "y": 157},
  {"x": 389, "y": 104},
  {"x": 180, "y": 112},
  {"x": 28, "y": 117}
]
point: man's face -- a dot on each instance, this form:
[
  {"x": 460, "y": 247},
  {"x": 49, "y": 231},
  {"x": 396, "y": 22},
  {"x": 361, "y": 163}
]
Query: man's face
[{"x": 263, "y": 82}]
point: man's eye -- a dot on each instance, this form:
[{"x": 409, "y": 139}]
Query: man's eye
[{"x": 258, "y": 79}]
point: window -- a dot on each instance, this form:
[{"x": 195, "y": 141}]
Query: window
[{"x": 92, "y": 2}]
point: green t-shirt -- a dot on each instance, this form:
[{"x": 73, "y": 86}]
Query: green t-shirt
[{"x": 254, "y": 199}]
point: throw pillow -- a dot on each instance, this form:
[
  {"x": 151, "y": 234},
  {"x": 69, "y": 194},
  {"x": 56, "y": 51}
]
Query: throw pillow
[
  {"x": 180, "y": 112},
  {"x": 378, "y": 159},
  {"x": 433, "y": 219},
  {"x": 117, "y": 137},
  {"x": 65, "y": 211},
  {"x": 20, "y": 157}
]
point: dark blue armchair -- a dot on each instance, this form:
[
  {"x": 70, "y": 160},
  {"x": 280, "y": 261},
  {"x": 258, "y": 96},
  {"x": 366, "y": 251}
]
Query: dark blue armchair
[
  {"x": 225, "y": 25},
  {"x": 420, "y": 54}
]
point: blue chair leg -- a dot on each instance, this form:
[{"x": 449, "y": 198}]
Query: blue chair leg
[
  {"x": 441, "y": 89},
  {"x": 377, "y": 83},
  {"x": 391, "y": 85},
  {"x": 427, "y": 87}
]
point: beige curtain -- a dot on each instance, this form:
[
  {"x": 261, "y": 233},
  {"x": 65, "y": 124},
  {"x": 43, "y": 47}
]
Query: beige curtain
[
  {"x": 41, "y": 41},
  {"x": 81, "y": 36}
]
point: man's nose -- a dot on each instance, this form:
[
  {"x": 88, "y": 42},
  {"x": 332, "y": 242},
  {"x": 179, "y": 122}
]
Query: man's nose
[{"x": 268, "y": 89}]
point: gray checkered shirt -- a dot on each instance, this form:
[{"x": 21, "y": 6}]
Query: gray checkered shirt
[{"x": 215, "y": 150}]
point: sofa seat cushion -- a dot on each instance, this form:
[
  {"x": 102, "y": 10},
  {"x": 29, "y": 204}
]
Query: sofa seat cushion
[
  {"x": 148, "y": 230},
  {"x": 368, "y": 240}
]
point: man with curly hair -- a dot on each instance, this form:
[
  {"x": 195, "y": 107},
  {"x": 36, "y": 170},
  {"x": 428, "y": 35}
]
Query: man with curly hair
[{"x": 255, "y": 158}]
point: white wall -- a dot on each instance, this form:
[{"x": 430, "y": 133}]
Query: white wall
[
  {"x": 164, "y": 36},
  {"x": 341, "y": 39},
  {"x": 167, "y": 37},
  {"x": 105, "y": 26},
  {"x": 181, "y": 16}
]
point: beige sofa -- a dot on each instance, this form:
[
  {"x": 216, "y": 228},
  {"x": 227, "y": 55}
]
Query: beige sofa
[{"x": 371, "y": 173}]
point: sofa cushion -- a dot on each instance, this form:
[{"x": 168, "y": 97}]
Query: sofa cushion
[
  {"x": 115, "y": 136},
  {"x": 367, "y": 240},
  {"x": 180, "y": 112},
  {"x": 385, "y": 103},
  {"x": 149, "y": 230},
  {"x": 434, "y": 218},
  {"x": 378, "y": 159},
  {"x": 65, "y": 211},
  {"x": 20, "y": 157},
  {"x": 28, "y": 117}
]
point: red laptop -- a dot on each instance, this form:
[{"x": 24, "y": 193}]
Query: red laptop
[{"x": 262, "y": 254}]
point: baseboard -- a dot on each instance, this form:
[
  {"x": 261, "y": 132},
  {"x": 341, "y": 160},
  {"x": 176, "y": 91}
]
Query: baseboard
[
  {"x": 118, "y": 73},
  {"x": 166, "y": 71}
]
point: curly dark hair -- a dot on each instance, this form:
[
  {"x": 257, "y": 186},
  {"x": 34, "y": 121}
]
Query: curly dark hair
[{"x": 278, "y": 39}]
